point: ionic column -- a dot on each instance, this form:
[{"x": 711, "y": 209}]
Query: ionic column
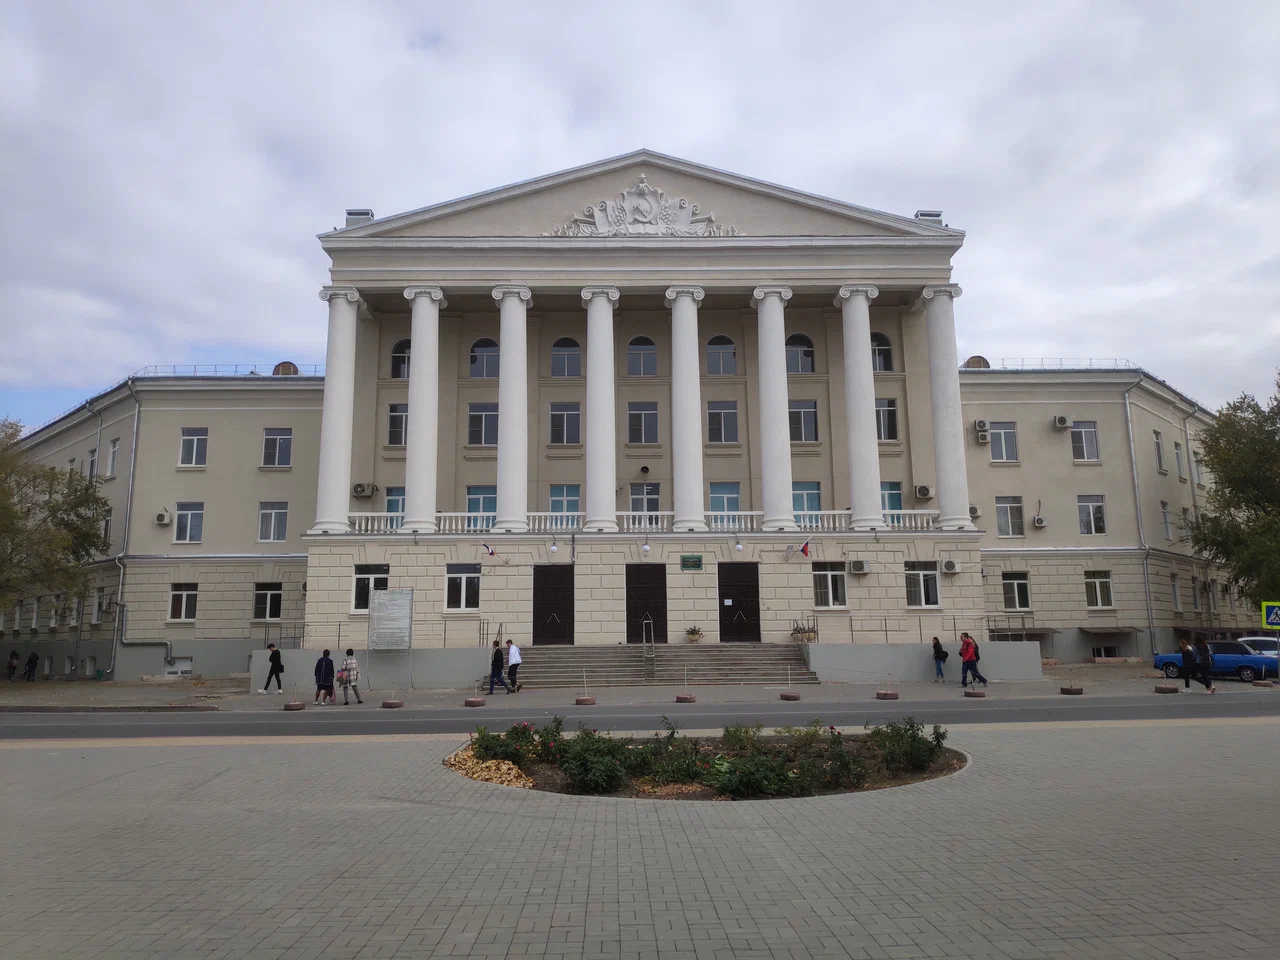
[
  {"x": 775, "y": 430},
  {"x": 948, "y": 426},
  {"x": 854, "y": 302},
  {"x": 333, "y": 488},
  {"x": 513, "y": 410},
  {"x": 602, "y": 451},
  {"x": 686, "y": 409},
  {"x": 420, "y": 453}
]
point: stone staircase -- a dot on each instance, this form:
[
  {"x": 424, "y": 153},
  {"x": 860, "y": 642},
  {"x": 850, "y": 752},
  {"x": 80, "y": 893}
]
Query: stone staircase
[{"x": 623, "y": 665}]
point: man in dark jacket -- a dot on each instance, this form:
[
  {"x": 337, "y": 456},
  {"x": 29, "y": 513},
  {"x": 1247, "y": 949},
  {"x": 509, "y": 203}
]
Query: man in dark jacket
[
  {"x": 495, "y": 669},
  {"x": 324, "y": 679},
  {"x": 33, "y": 661},
  {"x": 277, "y": 668},
  {"x": 1204, "y": 663}
]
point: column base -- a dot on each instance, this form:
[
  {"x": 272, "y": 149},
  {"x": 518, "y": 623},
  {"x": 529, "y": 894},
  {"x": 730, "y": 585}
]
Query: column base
[
  {"x": 418, "y": 526},
  {"x": 510, "y": 526},
  {"x": 868, "y": 523},
  {"x": 955, "y": 523},
  {"x": 600, "y": 526},
  {"x": 688, "y": 526},
  {"x": 779, "y": 526},
  {"x": 323, "y": 527}
]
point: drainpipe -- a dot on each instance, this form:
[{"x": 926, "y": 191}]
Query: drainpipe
[
  {"x": 97, "y": 446},
  {"x": 1137, "y": 505}
]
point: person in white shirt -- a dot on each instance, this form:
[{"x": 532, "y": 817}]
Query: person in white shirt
[{"x": 513, "y": 664}]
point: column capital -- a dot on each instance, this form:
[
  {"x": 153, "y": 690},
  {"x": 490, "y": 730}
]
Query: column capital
[
  {"x": 503, "y": 291},
  {"x": 759, "y": 294},
  {"x": 850, "y": 290},
  {"x": 951, "y": 290},
  {"x": 435, "y": 293},
  {"x": 697, "y": 293},
  {"x": 342, "y": 290},
  {"x": 589, "y": 293}
]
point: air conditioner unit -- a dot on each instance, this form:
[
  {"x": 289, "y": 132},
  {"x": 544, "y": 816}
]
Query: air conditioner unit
[
  {"x": 1039, "y": 523},
  {"x": 983, "y": 436},
  {"x": 163, "y": 518},
  {"x": 975, "y": 511},
  {"x": 981, "y": 426},
  {"x": 924, "y": 492},
  {"x": 1061, "y": 423},
  {"x": 859, "y": 567},
  {"x": 950, "y": 566},
  {"x": 362, "y": 490}
]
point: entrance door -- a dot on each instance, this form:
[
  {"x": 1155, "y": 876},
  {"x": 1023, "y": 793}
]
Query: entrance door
[
  {"x": 739, "y": 602},
  {"x": 646, "y": 602},
  {"x": 553, "y": 603}
]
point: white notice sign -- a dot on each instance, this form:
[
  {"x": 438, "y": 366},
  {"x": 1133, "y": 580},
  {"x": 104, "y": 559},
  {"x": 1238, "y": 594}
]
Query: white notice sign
[{"x": 390, "y": 619}]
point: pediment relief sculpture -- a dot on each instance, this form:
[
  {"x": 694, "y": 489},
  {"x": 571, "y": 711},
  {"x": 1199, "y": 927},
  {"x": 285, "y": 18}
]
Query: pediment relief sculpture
[{"x": 643, "y": 211}]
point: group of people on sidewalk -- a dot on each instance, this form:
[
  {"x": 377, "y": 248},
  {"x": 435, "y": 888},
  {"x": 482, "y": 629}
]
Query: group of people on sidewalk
[
  {"x": 969, "y": 657},
  {"x": 513, "y": 667},
  {"x": 348, "y": 675},
  {"x": 1197, "y": 662},
  {"x": 29, "y": 672}
]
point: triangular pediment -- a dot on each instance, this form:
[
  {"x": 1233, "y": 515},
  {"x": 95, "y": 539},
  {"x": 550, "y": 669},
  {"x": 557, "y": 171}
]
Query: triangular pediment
[{"x": 644, "y": 194}]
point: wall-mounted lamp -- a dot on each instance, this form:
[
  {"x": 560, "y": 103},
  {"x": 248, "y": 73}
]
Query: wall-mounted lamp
[
  {"x": 738, "y": 546},
  {"x": 554, "y": 545},
  {"x": 645, "y": 546}
]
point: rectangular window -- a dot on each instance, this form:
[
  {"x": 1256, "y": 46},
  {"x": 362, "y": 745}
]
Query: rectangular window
[
  {"x": 1212, "y": 590},
  {"x": 722, "y": 421},
  {"x": 565, "y": 498},
  {"x": 1004, "y": 441},
  {"x": 1177, "y": 459},
  {"x": 1186, "y": 519},
  {"x": 483, "y": 502},
  {"x": 1093, "y": 515},
  {"x": 93, "y": 463},
  {"x": 890, "y": 495},
  {"x": 1159, "y": 441},
  {"x": 395, "y": 503},
  {"x": 804, "y": 421},
  {"x": 828, "y": 585},
  {"x": 886, "y": 419},
  {"x": 1009, "y": 517},
  {"x": 99, "y": 601},
  {"x": 482, "y": 424},
  {"x": 1165, "y": 522},
  {"x": 35, "y": 612},
  {"x": 462, "y": 587},
  {"x": 55, "y": 609},
  {"x": 922, "y": 583},
  {"x": 195, "y": 447},
  {"x": 368, "y": 577},
  {"x": 113, "y": 456},
  {"x": 1195, "y": 593},
  {"x": 642, "y": 422},
  {"x": 566, "y": 361},
  {"x": 644, "y": 498},
  {"x": 1196, "y": 475},
  {"x": 566, "y": 423},
  {"x": 277, "y": 446},
  {"x": 1231, "y": 597},
  {"x": 726, "y": 497},
  {"x": 182, "y": 601},
  {"x": 73, "y": 611},
  {"x": 267, "y": 599},
  {"x": 106, "y": 528},
  {"x": 1084, "y": 440},
  {"x": 188, "y": 526},
  {"x": 1017, "y": 590},
  {"x": 273, "y": 520},
  {"x": 806, "y": 500},
  {"x": 397, "y": 424},
  {"x": 1175, "y": 589}
]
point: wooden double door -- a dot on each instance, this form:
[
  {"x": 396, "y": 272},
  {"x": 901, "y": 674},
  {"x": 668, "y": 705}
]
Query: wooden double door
[
  {"x": 553, "y": 604},
  {"x": 739, "y": 602},
  {"x": 646, "y": 602}
]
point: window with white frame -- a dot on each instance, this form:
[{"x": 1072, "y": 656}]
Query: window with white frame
[
  {"x": 195, "y": 447},
  {"x": 566, "y": 423},
  {"x": 400, "y": 359},
  {"x": 482, "y": 424},
  {"x": 462, "y": 586},
  {"x": 71, "y": 465},
  {"x": 113, "y": 456},
  {"x": 806, "y": 500},
  {"x": 799, "y": 354},
  {"x": 1097, "y": 589},
  {"x": 93, "y": 463},
  {"x": 188, "y": 525},
  {"x": 273, "y": 520},
  {"x": 73, "y": 611},
  {"x": 1009, "y": 517},
  {"x": 890, "y": 495},
  {"x": 277, "y": 446},
  {"x": 642, "y": 358},
  {"x": 726, "y": 496},
  {"x": 106, "y": 527},
  {"x": 1195, "y": 593},
  {"x": 99, "y": 601},
  {"x": 886, "y": 418},
  {"x": 1084, "y": 440},
  {"x": 722, "y": 357},
  {"x": 367, "y": 578},
  {"x": 644, "y": 498},
  {"x": 484, "y": 359},
  {"x": 267, "y": 600},
  {"x": 1231, "y": 597},
  {"x": 397, "y": 424},
  {"x": 182, "y": 601},
  {"x": 881, "y": 353},
  {"x": 922, "y": 583},
  {"x": 1186, "y": 519},
  {"x": 722, "y": 421},
  {"x": 395, "y": 506},
  {"x": 1177, "y": 459},
  {"x": 35, "y": 612},
  {"x": 1212, "y": 590},
  {"x": 1017, "y": 590},
  {"x": 482, "y": 501},
  {"x": 829, "y": 584},
  {"x": 1159, "y": 442},
  {"x": 1004, "y": 441},
  {"x": 1093, "y": 514},
  {"x": 566, "y": 498},
  {"x": 1165, "y": 521},
  {"x": 1196, "y": 475},
  {"x": 566, "y": 358},
  {"x": 803, "y": 416},
  {"x": 1175, "y": 590},
  {"x": 56, "y": 609},
  {"x": 642, "y": 421}
]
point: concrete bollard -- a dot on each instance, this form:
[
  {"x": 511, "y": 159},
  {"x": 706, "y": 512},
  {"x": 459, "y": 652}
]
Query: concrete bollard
[
  {"x": 686, "y": 698},
  {"x": 473, "y": 702},
  {"x": 789, "y": 695},
  {"x": 1166, "y": 688},
  {"x": 1263, "y": 683},
  {"x": 585, "y": 701},
  {"x": 392, "y": 704},
  {"x": 1071, "y": 691},
  {"x": 975, "y": 694},
  {"x": 295, "y": 705},
  {"x": 886, "y": 694}
]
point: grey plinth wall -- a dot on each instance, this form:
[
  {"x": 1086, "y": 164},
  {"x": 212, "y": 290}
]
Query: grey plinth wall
[
  {"x": 875, "y": 663},
  {"x": 432, "y": 669}
]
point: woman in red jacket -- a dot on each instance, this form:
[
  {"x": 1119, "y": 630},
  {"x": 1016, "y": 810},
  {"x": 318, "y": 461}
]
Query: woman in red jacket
[{"x": 969, "y": 661}]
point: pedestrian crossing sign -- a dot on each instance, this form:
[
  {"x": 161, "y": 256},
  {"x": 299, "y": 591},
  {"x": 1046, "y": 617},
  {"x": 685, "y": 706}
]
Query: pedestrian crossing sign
[{"x": 1271, "y": 615}]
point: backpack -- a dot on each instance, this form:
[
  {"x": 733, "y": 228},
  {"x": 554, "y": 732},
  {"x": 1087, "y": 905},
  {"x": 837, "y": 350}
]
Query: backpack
[{"x": 977, "y": 654}]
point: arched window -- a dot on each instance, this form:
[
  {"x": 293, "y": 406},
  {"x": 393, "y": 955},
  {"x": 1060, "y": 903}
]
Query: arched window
[
  {"x": 722, "y": 357},
  {"x": 400, "y": 360},
  {"x": 799, "y": 354},
  {"x": 881, "y": 353},
  {"x": 642, "y": 358},
  {"x": 566, "y": 358},
  {"x": 484, "y": 359}
]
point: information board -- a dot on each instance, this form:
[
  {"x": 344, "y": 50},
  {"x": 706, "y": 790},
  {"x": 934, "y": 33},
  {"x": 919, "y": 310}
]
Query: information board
[
  {"x": 390, "y": 619},
  {"x": 691, "y": 562}
]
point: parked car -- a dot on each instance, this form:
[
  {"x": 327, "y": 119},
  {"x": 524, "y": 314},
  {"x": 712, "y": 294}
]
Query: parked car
[
  {"x": 1231, "y": 658},
  {"x": 1267, "y": 645}
]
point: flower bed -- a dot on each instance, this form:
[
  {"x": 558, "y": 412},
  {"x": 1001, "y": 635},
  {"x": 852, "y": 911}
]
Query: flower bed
[{"x": 743, "y": 763}]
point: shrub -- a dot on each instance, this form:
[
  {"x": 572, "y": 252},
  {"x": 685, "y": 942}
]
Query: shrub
[
  {"x": 593, "y": 763},
  {"x": 676, "y": 759},
  {"x": 496, "y": 746},
  {"x": 903, "y": 745},
  {"x": 806, "y": 778},
  {"x": 549, "y": 741},
  {"x": 741, "y": 739},
  {"x": 803, "y": 738},
  {"x": 844, "y": 769},
  {"x": 754, "y": 775}
]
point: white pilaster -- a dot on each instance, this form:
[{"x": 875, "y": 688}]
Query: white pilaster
[
  {"x": 513, "y": 410},
  {"x": 775, "y": 430},
  {"x": 686, "y": 409},
  {"x": 420, "y": 457},
  {"x": 602, "y": 452},
  {"x": 948, "y": 425},
  {"x": 333, "y": 488},
  {"x": 854, "y": 302}
]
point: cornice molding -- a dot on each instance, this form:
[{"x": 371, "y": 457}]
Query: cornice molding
[
  {"x": 662, "y": 243},
  {"x": 684, "y": 290},
  {"x": 343, "y": 290},
  {"x": 851, "y": 290},
  {"x": 434, "y": 293}
]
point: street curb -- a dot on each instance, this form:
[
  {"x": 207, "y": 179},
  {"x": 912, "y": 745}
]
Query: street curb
[{"x": 154, "y": 708}]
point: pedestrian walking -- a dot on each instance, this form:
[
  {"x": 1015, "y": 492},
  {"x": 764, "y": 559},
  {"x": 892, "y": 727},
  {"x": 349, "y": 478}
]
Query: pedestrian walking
[
  {"x": 1188, "y": 670},
  {"x": 969, "y": 657},
  {"x": 13, "y": 666},
  {"x": 324, "y": 679},
  {"x": 277, "y": 668},
  {"x": 939, "y": 658},
  {"x": 495, "y": 669},
  {"x": 33, "y": 661},
  {"x": 350, "y": 676},
  {"x": 1204, "y": 664},
  {"x": 513, "y": 664}
]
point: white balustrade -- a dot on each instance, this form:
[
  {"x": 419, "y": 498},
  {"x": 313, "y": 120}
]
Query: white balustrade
[
  {"x": 555, "y": 522},
  {"x": 464, "y": 522},
  {"x": 657, "y": 522},
  {"x": 911, "y": 519},
  {"x": 823, "y": 521},
  {"x": 733, "y": 521},
  {"x": 372, "y": 524}
]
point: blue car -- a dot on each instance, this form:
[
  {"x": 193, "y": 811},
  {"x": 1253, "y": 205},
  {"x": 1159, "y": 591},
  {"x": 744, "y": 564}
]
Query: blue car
[{"x": 1231, "y": 658}]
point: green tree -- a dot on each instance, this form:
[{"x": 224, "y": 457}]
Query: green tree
[
  {"x": 50, "y": 525},
  {"x": 1240, "y": 525}
]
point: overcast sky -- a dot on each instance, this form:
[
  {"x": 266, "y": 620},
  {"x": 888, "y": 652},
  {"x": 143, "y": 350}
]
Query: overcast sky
[{"x": 167, "y": 165}]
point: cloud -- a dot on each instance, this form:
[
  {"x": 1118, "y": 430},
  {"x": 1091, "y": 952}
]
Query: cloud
[{"x": 1116, "y": 166}]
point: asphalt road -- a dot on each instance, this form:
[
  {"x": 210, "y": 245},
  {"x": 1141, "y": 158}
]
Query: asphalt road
[{"x": 335, "y": 721}]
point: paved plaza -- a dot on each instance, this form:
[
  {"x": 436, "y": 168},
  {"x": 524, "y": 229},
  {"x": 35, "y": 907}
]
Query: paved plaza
[{"x": 1134, "y": 839}]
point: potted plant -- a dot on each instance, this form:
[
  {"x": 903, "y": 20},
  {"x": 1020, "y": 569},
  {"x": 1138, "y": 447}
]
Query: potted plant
[{"x": 694, "y": 633}]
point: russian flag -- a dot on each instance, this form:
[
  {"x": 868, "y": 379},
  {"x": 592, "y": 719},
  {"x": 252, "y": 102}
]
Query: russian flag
[
  {"x": 488, "y": 549},
  {"x": 804, "y": 548}
]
